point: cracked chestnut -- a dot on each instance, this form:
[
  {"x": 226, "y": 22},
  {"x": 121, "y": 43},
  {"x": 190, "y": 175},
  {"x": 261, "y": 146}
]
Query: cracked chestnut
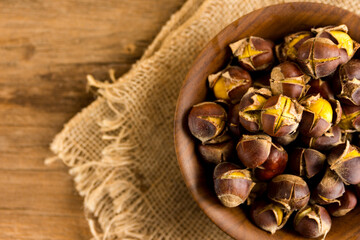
[
  {"x": 280, "y": 116},
  {"x": 287, "y": 79},
  {"x": 346, "y": 83},
  {"x": 339, "y": 36},
  {"x": 253, "y": 53},
  {"x": 250, "y": 108},
  {"x": 232, "y": 184},
  {"x": 347, "y": 202},
  {"x": 317, "y": 116},
  {"x": 230, "y": 84},
  {"x": 350, "y": 119},
  {"x": 313, "y": 221},
  {"x": 329, "y": 189},
  {"x": 288, "y": 49},
  {"x": 344, "y": 159},
  {"x": 254, "y": 150},
  {"x": 206, "y": 121},
  {"x": 318, "y": 57},
  {"x": 325, "y": 142},
  {"x": 289, "y": 191},
  {"x": 268, "y": 216},
  {"x": 306, "y": 162}
]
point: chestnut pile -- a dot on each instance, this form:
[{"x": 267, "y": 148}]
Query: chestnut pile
[{"x": 280, "y": 129}]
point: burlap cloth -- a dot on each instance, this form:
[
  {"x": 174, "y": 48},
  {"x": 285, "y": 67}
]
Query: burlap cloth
[{"x": 120, "y": 148}]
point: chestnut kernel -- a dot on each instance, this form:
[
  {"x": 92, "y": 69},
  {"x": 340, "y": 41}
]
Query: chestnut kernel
[
  {"x": 274, "y": 165},
  {"x": 253, "y": 53},
  {"x": 344, "y": 159},
  {"x": 289, "y": 191},
  {"x": 287, "y": 79},
  {"x": 268, "y": 216},
  {"x": 306, "y": 162},
  {"x": 280, "y": 116},
  {"x": 288, "y": 49},
  {"x": 216, "y": 153},
  {"x": 206, "y": 121},
  {"x": 317, "y": 116},
  {"x": 232, "y": 184},
  {"x": 329, "y": 189},
  {"x": 313, "y": 221},
  {"x": 230, "y": 84},
  {"x": 250, "y": 108},
  {"x": 254, "y": 150},
  {"x": 347, "y": 202},
  {"x": 318, "y": 57}
]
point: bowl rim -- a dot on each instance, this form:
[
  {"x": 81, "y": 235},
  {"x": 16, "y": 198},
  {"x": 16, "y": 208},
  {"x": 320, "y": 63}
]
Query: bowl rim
[{"x": 178, "y": 116}]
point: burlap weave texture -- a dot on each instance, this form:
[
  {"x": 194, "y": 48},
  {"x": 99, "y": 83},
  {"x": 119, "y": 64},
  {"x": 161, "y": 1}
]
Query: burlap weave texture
[{"x": 120, "y": 148}]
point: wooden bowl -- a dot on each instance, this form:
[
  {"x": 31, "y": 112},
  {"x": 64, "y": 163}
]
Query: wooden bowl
[{"x": 274, "y": 23}]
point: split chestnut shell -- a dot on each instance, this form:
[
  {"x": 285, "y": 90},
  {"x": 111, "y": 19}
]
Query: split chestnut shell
[{"x": 280, "y": 116}]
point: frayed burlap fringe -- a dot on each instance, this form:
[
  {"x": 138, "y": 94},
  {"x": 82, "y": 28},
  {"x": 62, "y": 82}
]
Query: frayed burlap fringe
[{"x": 120, "y": 148}]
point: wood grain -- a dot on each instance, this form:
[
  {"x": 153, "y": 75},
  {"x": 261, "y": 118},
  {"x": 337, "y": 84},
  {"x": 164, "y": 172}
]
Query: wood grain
[
  {"x": 273, "y": 23},
  {"x": 46, "y": 50}
]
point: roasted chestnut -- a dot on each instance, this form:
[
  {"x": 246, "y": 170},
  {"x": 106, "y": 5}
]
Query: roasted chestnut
[
  {"x": 268, "y": 216},
  {"x": 306, "y": 162},
  {"x": 325, "y": 142},
  {"x": 313, "y": 221},
  {"x": 253, "y": 53},
  {"x": 339, "y": 36},
  {"x": 317, "y": 116},
  {"x": 329, "y": 189},
  {"x": 289, "y": 191},
  {"x": 287, "y": 79},
  {"x": 347, "y": 202},
  {"x": 232, "y": 184},
  {"x": 206, "y": 121},
  {"x": 318, "y": 57},
  {"x": 250, "y": 108},
  {"x": 216, "y": 153},
  {"x": 288, "y": 49},
  {"x": 230, "y": 84},
  {"x": 280, "y": 116},
  {"x": 274, "y": 165},
  {"x": 346, "y": 83},
  {"x": 254, "y": 150},
  {"x": 350, "y": 119},
  {"x": 344, "y": 159}
]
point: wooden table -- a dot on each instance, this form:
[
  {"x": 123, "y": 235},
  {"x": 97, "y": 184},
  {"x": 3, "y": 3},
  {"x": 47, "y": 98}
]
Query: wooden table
[{"x": 46, "y": 50}]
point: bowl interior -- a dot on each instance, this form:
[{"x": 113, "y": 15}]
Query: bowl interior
[{"x": 274, "y": 23}]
